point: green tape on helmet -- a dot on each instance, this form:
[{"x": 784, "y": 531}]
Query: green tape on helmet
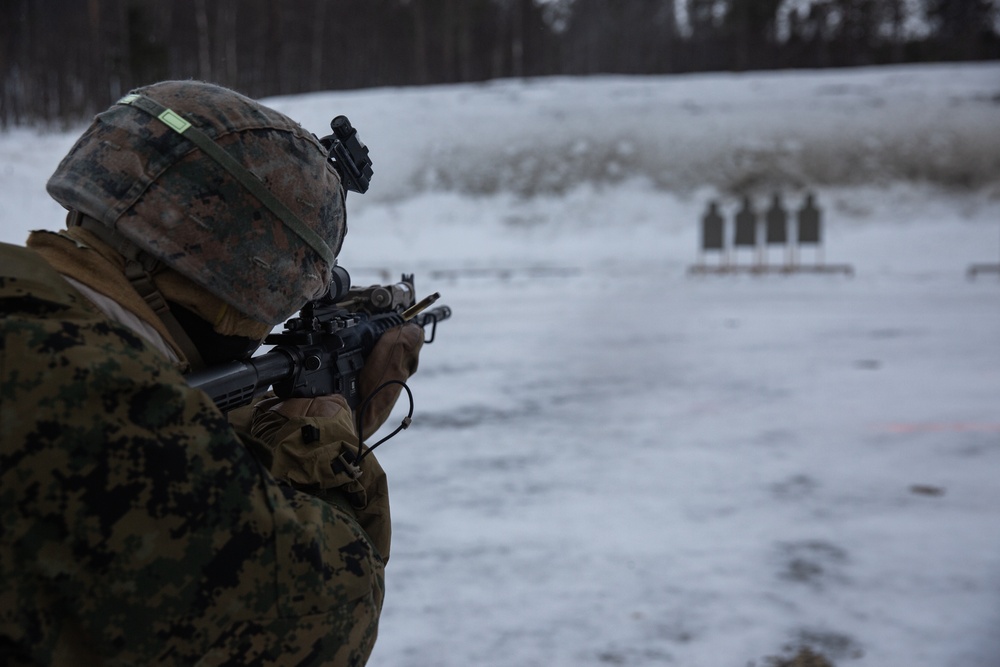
[{"x": 174, "y": 121}]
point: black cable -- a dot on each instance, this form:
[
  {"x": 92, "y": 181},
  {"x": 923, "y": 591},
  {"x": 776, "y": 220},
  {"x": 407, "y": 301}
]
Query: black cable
[{"x": 364, "y": 406}]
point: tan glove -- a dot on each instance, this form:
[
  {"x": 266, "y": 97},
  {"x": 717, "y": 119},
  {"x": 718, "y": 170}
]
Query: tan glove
[
  {"x": 394, "y": 357},
  {"x": 314, "y": 446}
]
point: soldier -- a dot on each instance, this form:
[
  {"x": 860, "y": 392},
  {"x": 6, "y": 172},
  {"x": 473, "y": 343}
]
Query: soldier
[{"x": 138, "y": 526}]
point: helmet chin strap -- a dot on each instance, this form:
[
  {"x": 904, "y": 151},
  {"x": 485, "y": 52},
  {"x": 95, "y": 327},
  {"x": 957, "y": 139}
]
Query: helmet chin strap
[{"x": 139, "y": 268}]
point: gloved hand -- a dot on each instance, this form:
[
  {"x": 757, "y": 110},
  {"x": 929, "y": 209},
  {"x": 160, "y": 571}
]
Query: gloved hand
[
  {"x": 314, "y": 445},
  {"x": 394, "y": 357}
]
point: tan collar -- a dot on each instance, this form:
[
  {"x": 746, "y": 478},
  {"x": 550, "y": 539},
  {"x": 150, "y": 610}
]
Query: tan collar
[
  {"x": 116, "y": 312},
  {"x": 78, "y": 254}
]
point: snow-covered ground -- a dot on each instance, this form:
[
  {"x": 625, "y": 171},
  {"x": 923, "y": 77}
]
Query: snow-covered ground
[{"x": 615, "y": 463}]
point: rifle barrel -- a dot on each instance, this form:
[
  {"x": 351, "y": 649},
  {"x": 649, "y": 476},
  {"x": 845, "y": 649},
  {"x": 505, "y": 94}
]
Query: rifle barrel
[{"x": 234, "y": 384}]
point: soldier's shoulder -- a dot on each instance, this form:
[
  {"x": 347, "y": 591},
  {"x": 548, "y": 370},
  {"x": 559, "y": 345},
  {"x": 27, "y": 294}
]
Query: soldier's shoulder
[
  {"x": 51, "y": 333},
  {"x": 29, "y": 284}
]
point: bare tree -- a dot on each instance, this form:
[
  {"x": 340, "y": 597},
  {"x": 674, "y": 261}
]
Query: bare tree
[
  {"x": 66, "y": 59},
  {"x": 204, "y": 44}
]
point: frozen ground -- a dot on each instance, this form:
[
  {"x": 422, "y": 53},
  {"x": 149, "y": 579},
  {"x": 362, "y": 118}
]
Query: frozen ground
[{"x": 613, "y": 463}]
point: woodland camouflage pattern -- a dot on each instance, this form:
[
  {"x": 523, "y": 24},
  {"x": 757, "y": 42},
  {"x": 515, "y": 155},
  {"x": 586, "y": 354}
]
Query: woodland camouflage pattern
[
  {"x": 136, "y": 528},
  {"x": 132, "y": 172}
]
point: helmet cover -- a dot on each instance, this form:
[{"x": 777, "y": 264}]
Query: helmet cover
[{"x": 133, "y": 172}]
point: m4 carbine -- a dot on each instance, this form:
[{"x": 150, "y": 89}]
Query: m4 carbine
[{"x": 323, "y": 349}]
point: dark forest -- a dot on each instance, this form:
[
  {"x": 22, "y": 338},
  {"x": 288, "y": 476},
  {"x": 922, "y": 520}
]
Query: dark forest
[{"x": 64, "y": 60}]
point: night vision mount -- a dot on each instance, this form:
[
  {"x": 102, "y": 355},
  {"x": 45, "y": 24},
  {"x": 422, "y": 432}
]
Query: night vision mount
[{"x": 349, "y": 155}]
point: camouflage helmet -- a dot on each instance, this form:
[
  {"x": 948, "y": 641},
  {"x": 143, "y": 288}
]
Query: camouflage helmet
[{"x": 227, "y": 192}]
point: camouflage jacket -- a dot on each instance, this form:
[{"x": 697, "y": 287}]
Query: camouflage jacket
[{"x": 136, "y": 527}]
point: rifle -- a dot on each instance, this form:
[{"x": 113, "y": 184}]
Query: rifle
[{"x": 323, "y": 349}]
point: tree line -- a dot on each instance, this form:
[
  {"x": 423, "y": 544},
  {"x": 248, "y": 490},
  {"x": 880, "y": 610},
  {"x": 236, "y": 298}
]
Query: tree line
[{"x": 64, "y": 60}]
